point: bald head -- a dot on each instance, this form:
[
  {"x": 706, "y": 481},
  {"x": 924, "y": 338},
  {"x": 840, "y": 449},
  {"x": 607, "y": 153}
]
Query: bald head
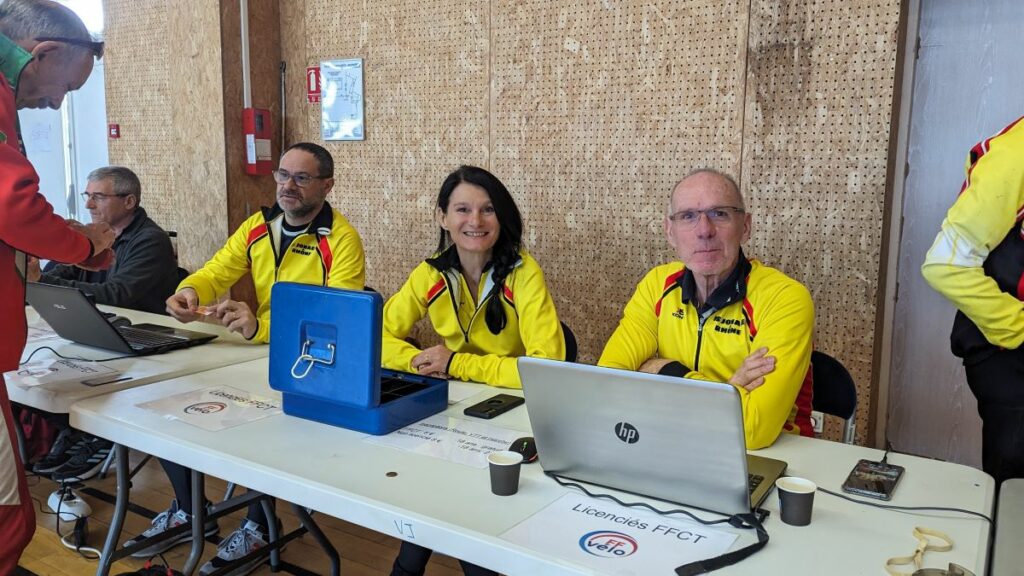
[{"x": 703, "y": 182}]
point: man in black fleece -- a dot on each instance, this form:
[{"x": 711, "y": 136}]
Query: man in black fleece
[{"x": 144, "y": 273}]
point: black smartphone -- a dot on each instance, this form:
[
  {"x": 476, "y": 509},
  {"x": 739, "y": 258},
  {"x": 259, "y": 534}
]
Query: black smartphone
[
  {"x": 873, "y": 479},
  {"x": 493, "y": 406}
]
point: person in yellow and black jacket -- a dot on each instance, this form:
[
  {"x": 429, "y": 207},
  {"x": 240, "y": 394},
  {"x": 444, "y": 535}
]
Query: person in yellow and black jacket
[
  {"x": 718, "y": 316},
  {"x": 486, "y": 298},
  {"x": 977, "y": 262},
  {"x": 301, "y": 239}
]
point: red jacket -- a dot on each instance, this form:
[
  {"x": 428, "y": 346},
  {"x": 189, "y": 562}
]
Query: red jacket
[{"x": 27, "y": 223}]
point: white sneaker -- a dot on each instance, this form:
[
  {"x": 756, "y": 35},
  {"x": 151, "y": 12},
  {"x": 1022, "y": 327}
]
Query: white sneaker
[
  {"x": 164, "y": 521},
  {"x": 238, "y": 544}
]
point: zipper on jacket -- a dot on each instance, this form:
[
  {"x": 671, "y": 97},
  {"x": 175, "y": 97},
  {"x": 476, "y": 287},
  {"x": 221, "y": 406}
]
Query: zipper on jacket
[
  {"x": 700, "y": 335},
  {"x": 465, "y": 331}
]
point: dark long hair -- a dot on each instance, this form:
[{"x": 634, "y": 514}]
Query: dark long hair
[{"x": 510, "y": 236}]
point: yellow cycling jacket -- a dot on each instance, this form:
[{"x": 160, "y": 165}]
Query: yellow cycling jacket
[
  {"x": 437, "y": 288},
  {"x": 756, "y": 306},
  {"x": 977, "y": 260},
  {"x": 329, "y": 253}
]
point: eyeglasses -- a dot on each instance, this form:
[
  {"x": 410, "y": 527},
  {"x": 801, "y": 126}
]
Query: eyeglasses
[
  {"x": 301, "y": 179},
  {"x": 100, "y": 196},
  {"x": 94, "y": 46},
  {"x": 718, "y": 215}
]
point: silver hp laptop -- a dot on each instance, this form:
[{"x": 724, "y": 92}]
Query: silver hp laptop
[
  {"x": 74, "y": 317},
  {"x": 664, "y": 437}
]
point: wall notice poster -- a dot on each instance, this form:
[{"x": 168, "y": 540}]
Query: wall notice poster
[{"x": 341, "y": 99}]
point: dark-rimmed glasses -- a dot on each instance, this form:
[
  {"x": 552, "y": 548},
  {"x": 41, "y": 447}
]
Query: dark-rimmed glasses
[
  {"x": 717, "y": 215},
  {"x": 301, "y": 179}
]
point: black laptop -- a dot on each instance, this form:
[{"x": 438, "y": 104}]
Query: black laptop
[{"x": 74, "y": 317}]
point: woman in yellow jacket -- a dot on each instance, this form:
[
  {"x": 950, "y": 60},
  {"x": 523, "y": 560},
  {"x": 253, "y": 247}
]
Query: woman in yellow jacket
[{"x": 485, "y": 297}]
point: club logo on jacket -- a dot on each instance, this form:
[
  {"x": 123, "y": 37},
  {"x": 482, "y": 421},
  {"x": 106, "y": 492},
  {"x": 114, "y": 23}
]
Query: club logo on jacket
[{"x": 728, "y": 325}]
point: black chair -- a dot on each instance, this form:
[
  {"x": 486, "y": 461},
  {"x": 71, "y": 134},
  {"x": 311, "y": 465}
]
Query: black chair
[
  {"x": 571, "y": 348},
  {"x": 834, "y": 391}
]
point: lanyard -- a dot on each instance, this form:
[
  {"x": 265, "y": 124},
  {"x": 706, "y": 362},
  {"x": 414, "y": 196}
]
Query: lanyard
[{"x": 928, "y": 540}]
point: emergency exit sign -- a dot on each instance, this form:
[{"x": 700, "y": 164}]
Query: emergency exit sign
[{"x": 312, "y": 84}]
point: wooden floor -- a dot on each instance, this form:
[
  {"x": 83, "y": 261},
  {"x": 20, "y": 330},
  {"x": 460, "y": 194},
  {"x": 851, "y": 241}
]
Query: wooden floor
[{"x": 363, "y": 552}]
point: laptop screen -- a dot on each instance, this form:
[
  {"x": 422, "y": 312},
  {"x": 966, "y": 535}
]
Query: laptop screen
[{"x": 668, "y": 438}]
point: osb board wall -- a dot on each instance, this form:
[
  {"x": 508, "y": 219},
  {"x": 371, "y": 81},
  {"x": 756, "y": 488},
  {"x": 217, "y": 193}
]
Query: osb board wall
[
  {"x": 426, "y": 85},
  {"x": 163, "y": 76},
  {"x": 589, "y": 112},
  {"x": 820, "y": 78},
  {"x": 596, "y": 111}
]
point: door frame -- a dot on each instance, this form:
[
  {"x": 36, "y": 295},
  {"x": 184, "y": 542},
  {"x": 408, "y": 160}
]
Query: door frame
[{"x": 892, "y": 232}]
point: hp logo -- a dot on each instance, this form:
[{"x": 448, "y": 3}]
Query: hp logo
[{"x": 627, "y": 432}]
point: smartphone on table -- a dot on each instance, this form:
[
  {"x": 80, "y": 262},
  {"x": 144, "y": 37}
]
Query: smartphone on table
[
  {"x": 493, "y": 406},
  {"x": 873, "y": 479}
]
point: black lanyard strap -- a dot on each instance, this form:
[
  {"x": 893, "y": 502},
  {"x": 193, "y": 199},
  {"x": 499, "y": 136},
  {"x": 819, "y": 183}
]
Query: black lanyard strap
[{"x": 746, "y": 521}]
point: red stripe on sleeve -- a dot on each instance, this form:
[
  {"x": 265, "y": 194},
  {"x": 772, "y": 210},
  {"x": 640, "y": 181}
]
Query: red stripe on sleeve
[
  {"x": 326, "y": 255},
  {"x": 435, "y": 289},
  {"x": 256, "y": 233},
  {"x": 750, "y": 317}
]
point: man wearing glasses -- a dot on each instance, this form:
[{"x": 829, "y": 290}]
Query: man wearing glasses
[
  {"x": 45, "y": 52},
  {"x": 301, "y": 239},
  {"x": 715, "y": 315},
  {"x": 144, "y": 273}
]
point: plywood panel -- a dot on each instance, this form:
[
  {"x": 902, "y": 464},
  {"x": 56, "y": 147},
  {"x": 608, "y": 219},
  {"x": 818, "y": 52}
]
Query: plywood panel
[
  {"x": 164, "y": 89},
  {"x": 198, "y": 158},
  {"x": 820, "y": 77},
  {"x": 138, "y": 83},
  {"x": 597, "y": 110},
  {"x": 425, "y": 82}
]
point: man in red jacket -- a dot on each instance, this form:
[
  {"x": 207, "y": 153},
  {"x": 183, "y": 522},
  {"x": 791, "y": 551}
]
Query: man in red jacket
[{"x": 45, "y": 52}]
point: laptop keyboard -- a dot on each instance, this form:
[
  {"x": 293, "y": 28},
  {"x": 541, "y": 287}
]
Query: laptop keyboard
[
  {"x": 753, "y": 481},
  {"x": 141, "y": 339}
]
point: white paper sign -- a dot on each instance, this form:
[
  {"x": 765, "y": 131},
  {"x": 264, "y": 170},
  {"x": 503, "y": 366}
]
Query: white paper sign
[
  {"x": 215, "y": 409},
  {"x": 54, "y": 371},
  {"x": 341, "y": 99},
  {"x": 452, "y": 439},
  {"x": 617, "y": 540}
]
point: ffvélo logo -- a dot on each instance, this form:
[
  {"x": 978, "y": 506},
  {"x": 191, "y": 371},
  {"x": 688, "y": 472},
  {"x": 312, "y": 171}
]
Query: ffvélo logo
[
  {"x": 205, "y": 408},
  {"x": 627, "y": 433},
  {"x": 608, "y": 544}
]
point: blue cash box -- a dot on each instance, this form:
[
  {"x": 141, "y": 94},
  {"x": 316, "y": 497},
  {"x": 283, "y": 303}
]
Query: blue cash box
[{"x": 325, "y": 359}]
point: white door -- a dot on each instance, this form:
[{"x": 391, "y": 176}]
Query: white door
[{"x": 967, "y": 86}]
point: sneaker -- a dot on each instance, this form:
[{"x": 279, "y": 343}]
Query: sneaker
[
  {"x": 239, "y": 543},
  {"x": 86, "y": 461},
  {"x": 170, "y": 518},
  {"x": 65, "y": 446}
]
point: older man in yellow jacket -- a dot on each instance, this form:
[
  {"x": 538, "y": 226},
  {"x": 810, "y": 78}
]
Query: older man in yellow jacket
[{"x": 715, "y": 315}]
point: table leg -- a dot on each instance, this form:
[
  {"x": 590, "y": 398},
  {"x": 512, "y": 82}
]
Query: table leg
[
  {"x": 120, "y": 510},
  {"x": 198, "y": 522},
  {"x": 272, "y": 532},
  {"x": 321, "y": 539}
]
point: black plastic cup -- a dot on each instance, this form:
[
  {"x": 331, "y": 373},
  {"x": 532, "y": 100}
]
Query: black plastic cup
[
  {"x": 505, "y": 467},
  {"x": 796, "y": 500}
]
